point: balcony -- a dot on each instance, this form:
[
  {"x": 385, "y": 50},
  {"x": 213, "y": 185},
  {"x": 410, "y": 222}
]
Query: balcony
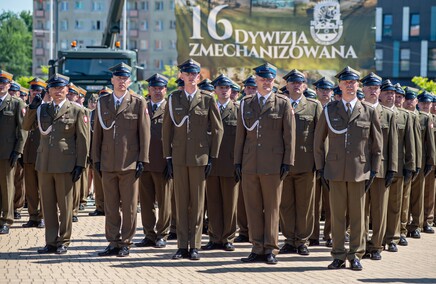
[
  {"x": 39, "y": 13},
  {"x": 39, "y": 51},
  {"x": 133, "y": 13}
]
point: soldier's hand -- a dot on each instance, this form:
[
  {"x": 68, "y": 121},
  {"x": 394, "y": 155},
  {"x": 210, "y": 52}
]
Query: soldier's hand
[
  {"x": 97, "y": 168},
  {"x": 238, "y": 172},
  {"x": 168, "y": 171},
  {"x": 416, "y": 173},
  {"x": 407, "y": 175},
  {"x": 389, "y": 178},
  {"x": 76, "y": 173},
  {"x": 427, "y": 170},
  {"x": 139, "y": 169},
  {"x": 208, "y": 168},
  {"x": 284, "y": 171},
  {"x": 13, "y": 158},
  {"x": 324, "y": 182},
  {"x": 370, "y": 181},
  {"x": 36, "y": 102}
]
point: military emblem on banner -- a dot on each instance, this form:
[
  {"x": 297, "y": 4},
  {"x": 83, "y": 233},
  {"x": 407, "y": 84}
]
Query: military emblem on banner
[{"x": 326, "y": 27}]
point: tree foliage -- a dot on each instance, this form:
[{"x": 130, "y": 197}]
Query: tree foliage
[{"x": 425, "y": 84}]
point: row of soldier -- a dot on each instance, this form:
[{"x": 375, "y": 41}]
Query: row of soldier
[{"x": 381, "y": 161}]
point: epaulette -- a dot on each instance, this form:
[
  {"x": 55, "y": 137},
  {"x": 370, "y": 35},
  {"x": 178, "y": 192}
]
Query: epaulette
[
  {"x": 367, "y": 104},
  {"x": 387, "y": 108},
  {"x": 246, "y": 97},
  {"x": 315, "y": 101},
  {"x": 104, "y": 95},
  {"x": 283, "y": 97}
]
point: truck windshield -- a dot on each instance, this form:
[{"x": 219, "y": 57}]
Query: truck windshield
[{"x": 91, "y": 67}]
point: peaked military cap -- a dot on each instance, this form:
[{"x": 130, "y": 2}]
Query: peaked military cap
[
  {"x": 309, "y": 93},
  {"x": 14, "y": 86},
  {"x": 235, "y": 87},
  {"x": 250, "y": 81},
  {"x": 73, "y": 88},
  {"x": 180, "y": 82},
  {"x": 284, "y": 90},
  {"x": 324, "y": 83},
  {"x": 206, "y": 85},
  {"x": 387, "y": 86},
  {"x": 399, "y": 89},
  {"x": 190, "y": 66},
  {"x": 295, "y": 76},
  {"x": 58, "y": 80},
  {"x": 105, "y": 90},
  {"x": 266, "y": 70},
  {"x": 24, "y": 91},
  {"x": 222, "y": 80},
  {"x": 82, "y": 92},
  {"x": 157, "y": 80},
  {"x": 359, "y": 94},
  {"x": 93, "y": 98},
  {"x": 425, "y": 97},
  {"x": 5, "y": 77},
  {"x": 371, "y": 80},
  {"x": 411, "y": 93},
  {"x": 348, "y": 73},
  {"x": 337, "y": 91},
  {"x": 121, "y": 69},
  {"x": 37, "y": 84}
]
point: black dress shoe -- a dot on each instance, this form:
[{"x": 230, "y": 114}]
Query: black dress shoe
[
  {"x": 376, "y": 255},
  {"x": 181, "y": 253},
  {"x": 287, "y": 248},
  {"x": 75, "y": 219},
  {"x": 41, "y": 224},
  {"x": 30, "y": 224},
  {"x": 242, "y": 239},
  {"x": 392, "y": 247},
  {"x": 212, "y": 246},
  {"x": 109, "y": 250},
  {"x": 229, "y": 247},
  {"x": 329, "y": 243},
  {"x": 96, "y": 213},
  {"x": 193, "y": 254},
  {"x": 428, "y": 229},
  {"x": 253, "y": 257},
  {"x": 366, "y": 255},
  {"x": 61, "y": 249},
  {"x": 81, "y": 207},
  {"x": 303, "y": 250},
  {"x": 271, "y": 259},
  {"x": 172, "y": 236},
  {"x": 355, "y": 264},
  {"x": 313, "y": 243},
  {"x": 145, "y": 243},
  {"x": 160, "y": 243},
  {"x": 124, "y": 251},
  {"x": 4, "y": 230},
  {"x": 415, "y": 234},
  {"x": 17, "y": 215},
  {"x": 403, "y": 241},
  {"x": 47, "y": 249},
  {"x": 336, "y": 264}
]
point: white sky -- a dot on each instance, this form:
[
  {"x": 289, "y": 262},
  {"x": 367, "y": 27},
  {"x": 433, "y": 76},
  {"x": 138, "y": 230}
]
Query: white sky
[{"x": 16, "y": 5}]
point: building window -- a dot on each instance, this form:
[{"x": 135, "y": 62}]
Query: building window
[
  {"x": 158, "y": 64},
  {"x": 64, "y": 44},
  {"x": 132, "y": 44},
  {"x": 158, "y": 44},
  {"x": 39, "y": 5},
  {"x": 143, "y": 44},
  {"x": 132, "y": 5},
  {"x": 144, "y": 25},
  {"x": 78, "y": 25},
  {"x": 64, "y": 25},
  {"x": 432, "y": 59},
  {"x": 387, "y": 25},
  {"x": 404, "y": 59},
  {"x": 96, "y": 25},
  {"x": 133, "y": 25},
  {"x": 172, "y": 6},
  {"x": 173, "y": 44},
  {"x": 39, "y": 43},
  {"x": 158, "y": 26},
  {"x": 172, "y": 24},
  {"x": 159, "y": 6},
  {"x": 144, "y": 5},
  {"x": 39, "y": 25},
  {"x": 414, "y": 25},
  {"x": 78, "y": 5},
  {"x": 97, "y": 6},
  {"x": 379, "y": 59},
  {"x": 64, "y": 6}
]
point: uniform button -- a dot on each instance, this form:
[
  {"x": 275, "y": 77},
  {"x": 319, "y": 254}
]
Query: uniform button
[
  {"x": 189, "y": 138},
  {"x": 258, "y": 145},
  {"x": 260, "y": 118},
  {"x": 348, "y": 152},
  {"x": 260, "y": 135},
  {"x": 260, "y": 126}
]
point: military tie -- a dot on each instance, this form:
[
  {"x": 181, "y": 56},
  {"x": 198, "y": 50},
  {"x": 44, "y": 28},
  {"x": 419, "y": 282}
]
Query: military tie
[
  {"x": 117, "y": 105},
  {"x": 349, "y": 109},
  {"x": 262, "y": 101},
  {"x": 189, "y": 98},
  {"x": 56, "y": 109},
  {"x": 222, "y": 107},
  {"x": 294, "y": 105},
  {"x": 154, "y": 108}
]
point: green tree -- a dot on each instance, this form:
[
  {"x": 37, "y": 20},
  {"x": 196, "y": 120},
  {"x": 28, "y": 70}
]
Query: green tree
[
  {"x": 16, "y": 43},
  {"x": 425, "y": 84}
]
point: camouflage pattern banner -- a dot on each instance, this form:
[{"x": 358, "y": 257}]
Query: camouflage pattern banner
[{"x": 302, "y": 34}]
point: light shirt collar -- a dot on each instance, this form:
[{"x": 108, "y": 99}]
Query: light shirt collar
[
  {"x": 297, "y": 100},
  {"x": 4, "y": 97},
  {"x": 352, "y": 103},
  {"x": 189, "y": 95},
  {"x": 119, "y": 99},
  {"x": 376, "y": 104},
  {"x": 158, "y": 103},
  {"x": 224, "y": 104},
  {"x": 60, "y": 104},
  {"x": 266, "y": 96}
]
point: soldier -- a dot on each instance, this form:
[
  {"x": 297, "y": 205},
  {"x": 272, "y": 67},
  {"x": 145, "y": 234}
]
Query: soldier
[
  {"x": 24, "y": 94},
  {"x": 206, "y": 85},
  {"x": 431, "y": 214},
  {"x": 83, "y": 186},
  {"x": 14, "y": 89},
  {"x": 298, "y": 196},
  {"x": 221, "y": 187},
  {"x": 33, "y": 192},
  {"x": 406, "y": 164},
  {"x": 121, "y": 142},
  {"x": 337, "y": 93},
  {"x": 13, "y": 137},
  {"x": 360, "y": 95},
  {"x": 351, "y": 168},
  {"x": 324, "y": 92},
  {"x": 309, "y": 93},
  {"x": 235, "y": 88},
  {"x": 264, "y": 153},
  {"x": 153, "y": 185},
  {"x": 60, "y": 160},
  {"x": 187, "y": 146},
  {"x": 378, "y": 195}
]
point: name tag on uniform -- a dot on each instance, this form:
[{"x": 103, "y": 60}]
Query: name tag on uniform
[
  {"x": 336, "y": 119},
  {"x": 178, "y": 108}
]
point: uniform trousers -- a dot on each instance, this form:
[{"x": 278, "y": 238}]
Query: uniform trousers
[
  {"x": 417, "y": 203},
  {"x": 120, "y": 192},
  {"x": 241, "y": 213},
  {"x": 405, "y": 207},
  {"x": 6, "y": 193},
  {"x": 222, "y": 193},
  {"x": 347, "y": 197},
  {"x": 57, "y": 192},
  {"x": 32, "y": 192},
  {"x": 98, "y": 190},
  {"x": 262, "y": 196},
  {"x": 153, "y": 186},
  {"x": 376, "y": 210},
  {"x": 173, "y": 226},
  {"x": 393, "y": 219},
  {"x": 321, "y": 203},
  {"x": 297, "y": 208},
  {"x": 429, "y": 199},
  {"x": 189, "y": 190},
  {"x": 84, "y": 186},
  {"x": 20, "y": 189}
]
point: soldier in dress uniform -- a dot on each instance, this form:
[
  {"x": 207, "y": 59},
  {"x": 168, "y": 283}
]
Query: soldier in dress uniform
[
  {"x": 153, "y": 184},
  {"x": 121, "y": 142},
  {"x": 187, "y": 145},
  {"x": 406, "y": 163},
  {"x": 378, "y": 195},
  {"x": 24, "y": 94},
  {"x": 264, "y": 154},
  {"x": 206, "y": 85},
  {"x": 83, "y": 188},
  {"x": 14, "y": 89},
  {"x": 33, "y": 192},
  {"x": 324, "y": 92},
  {"x": 13, "y": 137},
  {"x": 428, "y": 211},
  {"x": 298, "y": 196},
  {"x": 221, "y": 187},
  {"x": 60, "y": 160},
  {"x": 337, "y": 93},
  {"x": 351, "y": 164},
  {"x": 235, "y": 88}
]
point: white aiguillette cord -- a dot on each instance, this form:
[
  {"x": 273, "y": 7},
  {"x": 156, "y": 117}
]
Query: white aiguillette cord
[
  {"x": 38, "y": 115},
  {"x": 101, "y": 119},
  {"x": 327, "y": 118},
  {"x": 185, "y": 118},
  {"x": 255, "y": 124}
]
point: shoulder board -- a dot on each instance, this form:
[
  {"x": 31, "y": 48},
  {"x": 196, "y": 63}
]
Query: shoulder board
[
  {"x": 283, "y": 97},
  {"x": 203, "y": 92},
  {"x": 387, "y": 109},
  {"x": 367, "y": 104},
  {"x": 246, "y": 97},
  {"x": 103, "y": 96},
  {"x": 312, "y": 100}
]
